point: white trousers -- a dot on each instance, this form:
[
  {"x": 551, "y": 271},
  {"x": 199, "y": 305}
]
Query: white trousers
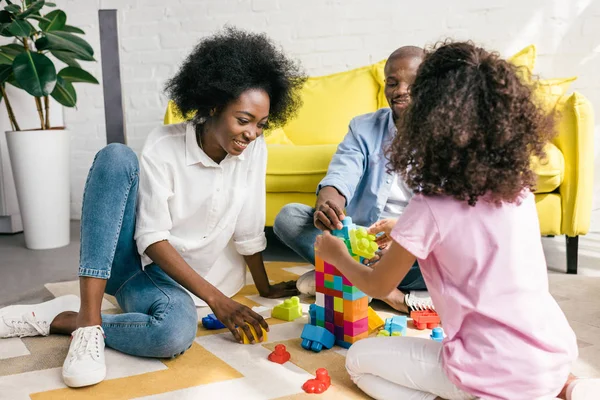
[{"x": 404, "y": 368}]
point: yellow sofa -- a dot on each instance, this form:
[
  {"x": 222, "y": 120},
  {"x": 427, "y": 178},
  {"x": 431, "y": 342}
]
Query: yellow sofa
[{"x": 300, "y": 152}]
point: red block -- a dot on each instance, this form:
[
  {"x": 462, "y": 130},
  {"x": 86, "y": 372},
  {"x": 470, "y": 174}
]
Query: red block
[
  {"x": 338, "y": 318},
  {"x": 345, "y": 281},
  {"x": 319, "y": 279},
  {"x": 425, "y": 319},
  {"x": 318, "y": 385},
  {"x": 280, "y": 355}
]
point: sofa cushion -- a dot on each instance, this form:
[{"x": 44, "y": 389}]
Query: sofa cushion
[
  {"x": 525, "y": 58},
  {"x": 551, "y": 171},
  {"x": 297, "y": 168},
  {"x": 330, "y": 102}
]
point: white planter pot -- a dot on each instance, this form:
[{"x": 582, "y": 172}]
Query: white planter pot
[{"x": 40, "y": 164}]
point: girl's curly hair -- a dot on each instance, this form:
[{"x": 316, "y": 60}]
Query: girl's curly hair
[
  {"x": 228, "y": 63},
  {"x": 471, "y": 128}
]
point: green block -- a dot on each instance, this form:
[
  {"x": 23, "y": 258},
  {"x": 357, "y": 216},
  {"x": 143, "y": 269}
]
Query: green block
[
  {"x": 321, "y": 323},
  {"x": 350, "y": 289},
  {"x": 328, "y": 284}
]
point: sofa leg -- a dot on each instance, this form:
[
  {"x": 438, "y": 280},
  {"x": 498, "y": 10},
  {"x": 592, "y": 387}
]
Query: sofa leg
[{"x": 572, "y": 247}]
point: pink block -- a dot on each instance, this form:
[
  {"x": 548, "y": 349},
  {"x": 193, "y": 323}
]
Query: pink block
[
  {"x": 345, "y": 281},
  {"x": 319, "y": 279},
  {"x": 357, "y": 327},
  {"x": 328, "y": 268}
]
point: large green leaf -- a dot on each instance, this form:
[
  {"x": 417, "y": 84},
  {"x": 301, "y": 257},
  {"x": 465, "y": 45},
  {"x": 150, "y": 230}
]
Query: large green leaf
[
  {"x": 31, "y": 9},
  {"x": 73, "y": 29},
  {"x": 64, "y": 93},
  {"x": 4, "y": 30},
  {"x": 58, "y": 40},
  {"x": 50, "y": 5},
  {"x": 9, "y": 52},
  {"x": 6, "y": 59},
  {"x": 5, "y": 17},
  {"x": 13, "y": 8},
  {"x": 74, "y": 74},
  {"x": 5, "y": 72},
  {"x": 39, "y": 18},
  {"x": 57, "y": 18},
  {"x": 67, "y": 57},
  {"x": 20, "y": 28},
  {"x": 35, "y": 73}
]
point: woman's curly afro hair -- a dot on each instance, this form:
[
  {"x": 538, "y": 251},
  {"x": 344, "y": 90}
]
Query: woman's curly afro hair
[
  {"x": 471, "y": 128},
  {"x": 228, "y": 63}
]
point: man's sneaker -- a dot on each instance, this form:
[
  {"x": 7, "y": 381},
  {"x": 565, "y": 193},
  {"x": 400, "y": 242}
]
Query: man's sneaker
[
  {"x": 35, "y": 319},
  {"x": 419, "y": 301},
  {"x": 85, "y": 364},
  {"x": 306, "y": 283}
]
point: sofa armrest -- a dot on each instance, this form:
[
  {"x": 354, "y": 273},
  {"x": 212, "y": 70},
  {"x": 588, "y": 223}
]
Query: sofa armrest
[{"x": 576, "y": 141}]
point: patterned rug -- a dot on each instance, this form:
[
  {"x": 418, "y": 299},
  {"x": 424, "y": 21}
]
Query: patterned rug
[{"x": 216, "y": 366}]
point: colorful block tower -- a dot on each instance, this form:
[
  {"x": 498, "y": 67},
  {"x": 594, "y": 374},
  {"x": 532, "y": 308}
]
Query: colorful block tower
[{"x": 341, "y": 307}]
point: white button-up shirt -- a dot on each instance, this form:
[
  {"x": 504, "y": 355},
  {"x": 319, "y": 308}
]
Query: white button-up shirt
[{"x": 213, "y": 214}]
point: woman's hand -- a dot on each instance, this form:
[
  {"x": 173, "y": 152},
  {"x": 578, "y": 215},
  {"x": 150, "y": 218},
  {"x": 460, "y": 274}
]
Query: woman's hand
[
  {"x": 330, "y": 248},
  {"x": 232, "y": 313},
  {"x": 384, "y": 228},
  {"x": 281, "y": 289}
]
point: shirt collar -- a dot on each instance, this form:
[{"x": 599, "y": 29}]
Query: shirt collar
[{"x": 194, "y": 154}]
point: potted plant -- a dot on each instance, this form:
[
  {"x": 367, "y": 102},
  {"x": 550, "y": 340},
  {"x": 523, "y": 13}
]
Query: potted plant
[{"x": 40, "y": 157}]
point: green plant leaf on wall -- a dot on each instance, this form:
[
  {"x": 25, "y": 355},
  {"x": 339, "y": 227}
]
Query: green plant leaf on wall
[
  {"x": 57, "y": 19},
  {"x": 73, "y": 29},
  {"x": 5, "y": 17},
  {"x": 67, "y": 57},
  {"x": 31, "y": 9},
  {"x": 35, "y": 73},
  {"x": 5, "y": 73},
  {"x": 64, "y": 93},
  {"x": 74, "y": 74},
  {"x": 58, "y": 40},
  {"x": 20, "y": 28}
]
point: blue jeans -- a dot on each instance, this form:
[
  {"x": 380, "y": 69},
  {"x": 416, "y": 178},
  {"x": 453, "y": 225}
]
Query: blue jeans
[
  {"x": 295, "y": 228},
  {"x": 159, "y": 318}
]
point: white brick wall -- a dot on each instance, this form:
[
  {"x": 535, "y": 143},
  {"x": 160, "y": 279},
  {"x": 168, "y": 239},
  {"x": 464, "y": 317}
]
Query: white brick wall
[{"x": 326, "y": 36}]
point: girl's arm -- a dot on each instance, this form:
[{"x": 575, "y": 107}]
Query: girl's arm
[{"x": 376, "y": 282}]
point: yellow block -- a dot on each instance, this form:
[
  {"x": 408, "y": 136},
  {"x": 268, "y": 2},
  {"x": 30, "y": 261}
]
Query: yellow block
[
  {"x": 245, "y": 338},
  {"x": 375, "y": 321},
  {"x": 338, "y": 304}
]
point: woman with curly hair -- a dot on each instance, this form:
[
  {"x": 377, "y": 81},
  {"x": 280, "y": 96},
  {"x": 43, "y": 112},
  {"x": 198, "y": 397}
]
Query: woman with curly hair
[
  {"x": 464, "y": 146},
  {"x": 178, "y": 228}
]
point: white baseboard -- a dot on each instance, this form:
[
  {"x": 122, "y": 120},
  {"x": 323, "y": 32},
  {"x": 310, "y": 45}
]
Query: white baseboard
[{"x": 11, "y": 224}]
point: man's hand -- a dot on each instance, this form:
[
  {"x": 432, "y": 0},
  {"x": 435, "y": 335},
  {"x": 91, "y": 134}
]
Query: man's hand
[
  {"x": 329, "y": 210},
  {"x": 232, "y": 313},
  {"x": 281, "y": 289},
  {"x": 383, "y": 228}
]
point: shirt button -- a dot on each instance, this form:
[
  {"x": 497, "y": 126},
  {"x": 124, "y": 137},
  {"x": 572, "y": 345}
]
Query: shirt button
[
  {"x": 183, "y": 249},
  {"x": 388, "y": 181}
]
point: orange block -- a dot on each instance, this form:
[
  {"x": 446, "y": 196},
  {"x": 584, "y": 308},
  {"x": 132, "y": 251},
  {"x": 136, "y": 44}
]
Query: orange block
[
  {"x": 354, "y": 339},
  {"x": 355, "y": 310},
  {"x": 319, "y": 264},
  {"x": 328, "y": 277}
]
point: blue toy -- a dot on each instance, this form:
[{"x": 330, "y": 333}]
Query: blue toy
[
  {"x": 211, "y": 322},
  {"x": 396, "y": 324},
  {"x": 315, "y": 338},
  {"x": 437, "y": 334},
  {"x": 312, "y": 314}
]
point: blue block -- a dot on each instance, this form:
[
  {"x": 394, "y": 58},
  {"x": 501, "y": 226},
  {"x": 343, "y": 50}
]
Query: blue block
[
  {"x": 320, "y": 312},
  {"x": 316, "y": 338},
  {"x": 354, "y": 296},
  {"x": 337, "y": 283},
  {"x": 344, "y": 233},
  {"x": 343, "y": 344},
  {"x": 437, "y": 334},
  {"x": 312, "y": 314},
  {"x": 211, "y": 322},
  {"x": 396, "y": 324}
]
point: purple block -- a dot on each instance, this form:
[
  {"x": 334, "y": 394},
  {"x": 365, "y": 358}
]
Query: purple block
[
  {"x": 328, "y": 268},
  {"x": 339, "y": 333},
  {"x": 357, "y": 327},
  {"x": 329, "y": 302},
  {"x": 329, "y": 315},
  {"x": 329, "y": 326}
]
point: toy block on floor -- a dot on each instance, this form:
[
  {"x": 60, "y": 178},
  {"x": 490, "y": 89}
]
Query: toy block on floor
[
  {"x": 437, "y": 334},
  {"x": 316, "y": 338},
  {"x": 289, "y": 310},
  {"x": 375, "y": 321},
  {"x": 318, "y": 385},
  {"x": 395, "y": 326},
  {"x": 425, "y": 319},
  {"x": 280, "y": 355},
  {"x": 211, "y": 322},
  {"x": 245, "y": 338}
]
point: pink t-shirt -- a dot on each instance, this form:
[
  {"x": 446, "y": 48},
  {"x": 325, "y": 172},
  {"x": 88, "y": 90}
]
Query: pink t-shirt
[{"x": 486, "y": 273}]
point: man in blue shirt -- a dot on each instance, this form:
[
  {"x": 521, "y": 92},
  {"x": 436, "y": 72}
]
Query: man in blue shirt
[{"x": 357, "y": 180}]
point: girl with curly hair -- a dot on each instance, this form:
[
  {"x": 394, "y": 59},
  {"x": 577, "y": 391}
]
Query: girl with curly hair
[
  {"x": 464, "y": 146},
  {"x": 177, "y": 229}
]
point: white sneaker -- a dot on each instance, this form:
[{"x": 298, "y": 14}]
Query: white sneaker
[
  {"x": 583, "y": 389},
  {"x": 35, "y": 319},
  {"x": 306, "y": 283},
  {"x": 419, "y": 300},
  {"x": 84, "y": 365}
]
